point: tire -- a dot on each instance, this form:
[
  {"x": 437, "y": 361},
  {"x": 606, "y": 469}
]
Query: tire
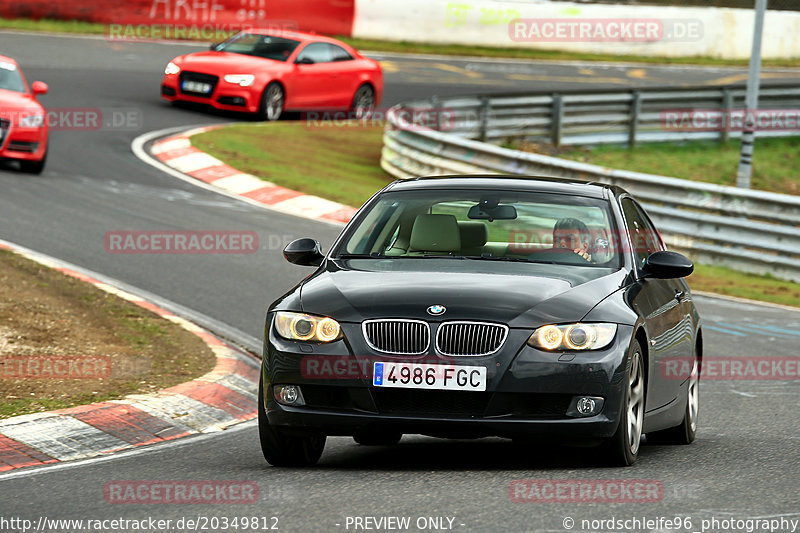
[
  {"x": 273, "y": 100},
  {"x": 623, "y": 448},
  {"x": 686, "y": 431},
  {"x": 363, "y": 102},
  {"x": 280, "y": 449},
  {"x": 33, "y": 167},
  {"x": 388, "y": 438}
]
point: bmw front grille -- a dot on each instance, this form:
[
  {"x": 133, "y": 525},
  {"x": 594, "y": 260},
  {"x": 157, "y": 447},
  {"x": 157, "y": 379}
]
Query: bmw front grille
[
  {"x": 412, "y": 337},
  {"x": 398, "y": 336},
  {"x": 470, "y": 338}
]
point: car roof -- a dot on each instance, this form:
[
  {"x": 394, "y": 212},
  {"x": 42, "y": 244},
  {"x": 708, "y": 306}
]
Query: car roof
[
  {"x": 6, "y": 59},
  {"x": 505, "y": 182},
  {"x": 292, "y": 34}
]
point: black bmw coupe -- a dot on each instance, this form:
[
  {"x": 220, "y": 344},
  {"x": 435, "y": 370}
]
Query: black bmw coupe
[{"x": 470, "y": 306}]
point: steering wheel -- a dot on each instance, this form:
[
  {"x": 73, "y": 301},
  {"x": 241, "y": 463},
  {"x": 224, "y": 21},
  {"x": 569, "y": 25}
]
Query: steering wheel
[{"x": 570, "y": 252}]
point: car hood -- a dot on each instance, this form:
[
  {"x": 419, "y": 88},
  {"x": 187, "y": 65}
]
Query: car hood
[
  {"x": 520, "y": 295},
  {"x": 217, "y": 63},
  {"x": 12, "y": 102}
]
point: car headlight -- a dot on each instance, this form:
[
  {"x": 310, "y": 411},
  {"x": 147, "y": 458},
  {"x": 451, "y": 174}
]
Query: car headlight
[
  {"x": 243, "y": 80},
  {"x": 172, "y": 68},
  {"x": 573, "y": 336},
  {"x": 32, "y": 121},
  {"x": 302, "y": 327}
]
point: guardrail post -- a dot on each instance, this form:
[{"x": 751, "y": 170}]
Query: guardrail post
[
  {"x": 557, "y": 120},
  {"x": 727, "y": 108},
  {"x": 436, "y": 112},
  {"x": 633, "y": 125},
  {"x": 484, "y": 118}
]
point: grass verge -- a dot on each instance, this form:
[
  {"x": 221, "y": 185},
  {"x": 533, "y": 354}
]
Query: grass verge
[
  {"x": 723, "y": 280},
  {"x": 71, "y": 26},
  {"x": 775, "y": 160},
  {"x": 339, "y": 163},
  {"x": 335, "y": 161},
  {"x": 51, "y": 324}
]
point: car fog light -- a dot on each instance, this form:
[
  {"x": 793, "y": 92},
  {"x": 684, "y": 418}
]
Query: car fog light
[
  {"x": 289, "y": 395},
  {"x": 585, "y": 406}
]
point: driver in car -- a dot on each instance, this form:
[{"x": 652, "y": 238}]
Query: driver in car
[{"x": 572, "y": 234}]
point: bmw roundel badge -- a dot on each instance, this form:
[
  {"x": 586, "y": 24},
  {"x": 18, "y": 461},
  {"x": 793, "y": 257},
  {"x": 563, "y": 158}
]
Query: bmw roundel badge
[{"x": 436, "y": 310}]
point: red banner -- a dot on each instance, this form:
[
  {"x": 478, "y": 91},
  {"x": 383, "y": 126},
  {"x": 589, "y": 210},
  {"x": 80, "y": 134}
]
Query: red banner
[{"x": 331, "y": 17}]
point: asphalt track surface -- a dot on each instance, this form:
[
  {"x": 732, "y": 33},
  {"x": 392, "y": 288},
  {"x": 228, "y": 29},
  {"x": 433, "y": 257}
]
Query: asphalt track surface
[{"x": 744, "y": 464}]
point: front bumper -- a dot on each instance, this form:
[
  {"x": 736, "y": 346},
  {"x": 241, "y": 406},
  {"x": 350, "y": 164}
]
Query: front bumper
[
  {"x": 528, "y": 391},
  {"x": 23, "y": 144},
  {"x": 225, "y": 96}
]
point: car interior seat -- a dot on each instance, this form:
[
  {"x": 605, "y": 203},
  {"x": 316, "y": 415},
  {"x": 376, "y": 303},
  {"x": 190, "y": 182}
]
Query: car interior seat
[{"x": 434, "y": 234}]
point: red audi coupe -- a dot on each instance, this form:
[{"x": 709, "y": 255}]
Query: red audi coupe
[
  {"x": 23, "y": 121},
  {"x": 270, "y": 72}
]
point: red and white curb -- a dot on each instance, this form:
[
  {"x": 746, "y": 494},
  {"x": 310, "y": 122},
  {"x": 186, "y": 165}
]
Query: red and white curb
[
  {"x": 225, "y": 396},
  {"x": 177, "y": 152}
]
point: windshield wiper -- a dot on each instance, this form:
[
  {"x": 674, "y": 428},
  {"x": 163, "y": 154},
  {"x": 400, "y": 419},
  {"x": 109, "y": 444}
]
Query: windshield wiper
[
  {"x": 433, "y": 256},
  {"x": 373, "y": 255},
  {"x": 509, "y": 259}
]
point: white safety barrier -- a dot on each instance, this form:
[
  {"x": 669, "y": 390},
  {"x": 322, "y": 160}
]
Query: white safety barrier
[{"x": 589, "y": 28}]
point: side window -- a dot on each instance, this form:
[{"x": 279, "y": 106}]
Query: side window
[
  {"x": 654, "y": 242},
  {"x": 338, "y": 53},
  {"x": 316, "y": 52},
  {"x": 644, "y": 238}
]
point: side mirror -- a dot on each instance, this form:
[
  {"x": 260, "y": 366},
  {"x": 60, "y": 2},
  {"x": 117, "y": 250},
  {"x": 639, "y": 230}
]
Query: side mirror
[
  {"x": 305, "y": 61},
  {"x": 39, "y": 87},
  {"x": 667, "y": 265},
  {"x": 304, "y": 252},
  {"x": 213, "y": 47}
]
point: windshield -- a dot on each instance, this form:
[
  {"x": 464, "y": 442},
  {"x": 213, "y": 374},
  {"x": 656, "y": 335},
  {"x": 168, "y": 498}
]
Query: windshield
[
  {"x": 10, "y": 79},
  {"x": 254, "y": 44},
  {"x": 485, "y": 226}
]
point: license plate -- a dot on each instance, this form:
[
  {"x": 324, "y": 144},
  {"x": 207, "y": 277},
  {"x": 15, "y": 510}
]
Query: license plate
[
  {"x": 196, "y": 87},
  {"x": 426, "y": 376}
]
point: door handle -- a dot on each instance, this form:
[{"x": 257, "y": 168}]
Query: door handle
[{"x": 679, "y": 294}]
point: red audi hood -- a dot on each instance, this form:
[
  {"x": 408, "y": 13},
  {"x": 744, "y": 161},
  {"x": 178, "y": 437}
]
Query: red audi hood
[
  {"x": 219, "y": 63},
  {"x": 12, "y": 103},
  {"x": 12, "y": 100}
]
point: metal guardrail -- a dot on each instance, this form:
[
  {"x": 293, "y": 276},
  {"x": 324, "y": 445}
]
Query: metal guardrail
[
  {"x": 753, "y": 231},
  {"x": 603, "y": 117}
]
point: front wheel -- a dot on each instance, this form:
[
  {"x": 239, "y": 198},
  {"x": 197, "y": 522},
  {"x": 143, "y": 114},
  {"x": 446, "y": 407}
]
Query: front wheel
[
  {"x": 272, "y": 102},
  {"x": 363, "y": 102},
  {"x": 280, "y": 449},
  {"x": 623, "y": 448}
]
